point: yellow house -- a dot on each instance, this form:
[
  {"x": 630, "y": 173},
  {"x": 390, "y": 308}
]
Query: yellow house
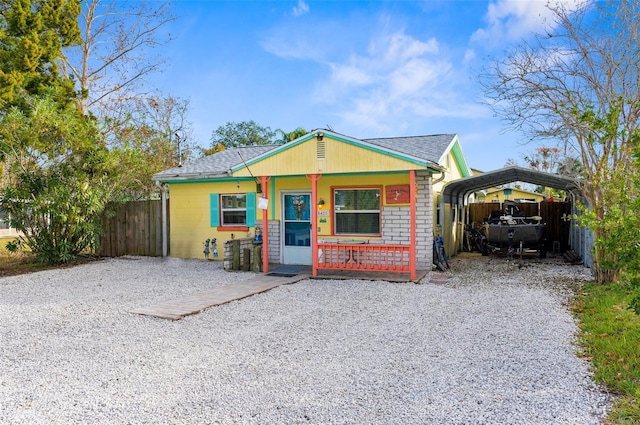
[
  {"x": 325, "y": 199},
  {"x": 497, "y": 195}
]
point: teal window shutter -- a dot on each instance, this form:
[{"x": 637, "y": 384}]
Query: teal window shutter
[
  {"x": 251, "y": 209},
  {"x": 214, "y": 209}
]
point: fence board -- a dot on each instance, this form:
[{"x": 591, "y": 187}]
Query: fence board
[
  {"x": 554, "y": 214},
  {"x": 132, "y": 228}
]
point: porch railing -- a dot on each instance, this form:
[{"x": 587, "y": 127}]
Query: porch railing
[{"x": 364, "y": 257}]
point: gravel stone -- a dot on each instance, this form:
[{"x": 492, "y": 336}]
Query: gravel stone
[{"x": 494, "y": 345}]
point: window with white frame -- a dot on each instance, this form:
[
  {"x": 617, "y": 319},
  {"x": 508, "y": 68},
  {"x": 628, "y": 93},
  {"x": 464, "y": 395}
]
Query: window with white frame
[
  {"x": 233, "y": 210},
  {"x": 357, "y": 211}
]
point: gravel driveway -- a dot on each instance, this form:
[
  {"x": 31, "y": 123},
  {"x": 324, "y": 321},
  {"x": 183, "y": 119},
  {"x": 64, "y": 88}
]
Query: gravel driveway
[{"x": 492, "y": 346}]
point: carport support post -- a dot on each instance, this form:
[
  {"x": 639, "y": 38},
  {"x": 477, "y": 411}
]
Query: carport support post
[
  {"x": 265, "y": 228},
  {"x": 412, "y": 222}
]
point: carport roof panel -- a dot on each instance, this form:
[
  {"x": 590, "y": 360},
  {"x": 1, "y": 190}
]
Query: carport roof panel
[{"x": 454, "y": 191}]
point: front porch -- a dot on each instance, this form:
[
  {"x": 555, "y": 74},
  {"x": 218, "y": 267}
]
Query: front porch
[
  {"x": 363, "y": 256},
  {"x": 394, "y": 247},
  {"x": 337, "y": 274}
]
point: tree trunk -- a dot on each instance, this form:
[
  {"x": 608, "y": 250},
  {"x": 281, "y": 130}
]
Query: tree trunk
[{"x": 603, "y": 274}]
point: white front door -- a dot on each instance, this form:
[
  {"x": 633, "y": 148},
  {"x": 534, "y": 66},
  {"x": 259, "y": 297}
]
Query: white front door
[{"x": 296, "y": 229}]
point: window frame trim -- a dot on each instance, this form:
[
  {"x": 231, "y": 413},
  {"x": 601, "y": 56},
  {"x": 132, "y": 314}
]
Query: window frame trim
[
  {"x": 232, "y": 226},
  {"x": 335, "y": 211}
]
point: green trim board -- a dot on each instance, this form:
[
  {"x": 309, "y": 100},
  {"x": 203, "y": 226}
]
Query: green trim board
[
  {"x": 272, "y": 193},
  {"x": 458, "y": 157},
  {"x": 251, "y": 209},
  {"x": 210, "y": 180},
  {"x": 214, "y": 209}
]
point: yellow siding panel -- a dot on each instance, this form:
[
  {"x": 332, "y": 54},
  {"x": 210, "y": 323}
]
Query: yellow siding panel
[
  {"x": 340, "y": 157},
  {"x": 190, "y": 216}
]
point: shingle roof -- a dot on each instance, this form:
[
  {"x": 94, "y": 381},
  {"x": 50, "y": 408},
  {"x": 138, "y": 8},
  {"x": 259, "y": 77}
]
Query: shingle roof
[
  {"x": 215, "y": 165},
  {"x": 429, "y": 148}
]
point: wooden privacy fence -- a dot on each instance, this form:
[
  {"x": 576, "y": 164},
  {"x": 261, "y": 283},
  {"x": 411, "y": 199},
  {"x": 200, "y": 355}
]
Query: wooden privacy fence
[
  {"x": 133, "y": 228},
  {"x": 555, "y": 214}
]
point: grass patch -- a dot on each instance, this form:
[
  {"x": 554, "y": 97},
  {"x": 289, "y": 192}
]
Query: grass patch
[
  {"x": 18, "y": 262},
  {"x": 25, "y": 262},
  {"x": 610, "y": 339}
]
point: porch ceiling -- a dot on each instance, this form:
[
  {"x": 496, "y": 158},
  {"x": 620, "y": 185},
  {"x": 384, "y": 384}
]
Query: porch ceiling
[{"x": 455, "y": 192}]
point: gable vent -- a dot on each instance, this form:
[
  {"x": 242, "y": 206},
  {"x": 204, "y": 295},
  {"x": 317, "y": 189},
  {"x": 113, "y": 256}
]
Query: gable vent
[{"x": 321, "y": 152}]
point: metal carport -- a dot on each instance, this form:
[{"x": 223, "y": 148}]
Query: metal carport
[{"x": 455, "y": 194}]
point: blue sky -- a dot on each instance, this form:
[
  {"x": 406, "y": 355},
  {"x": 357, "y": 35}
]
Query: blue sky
[{"x": 365, "y": 68}]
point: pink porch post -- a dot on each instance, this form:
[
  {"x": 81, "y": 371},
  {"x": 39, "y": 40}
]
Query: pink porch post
[
  {"x": 314, "y": 224},
  {"x": 265, "y": 228},
  {"x": 412, "y": 223}
]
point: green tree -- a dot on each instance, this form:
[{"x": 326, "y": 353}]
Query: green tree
[
  {"x": 290, "y": 136},
  {"x": 578, "y": 83},
  {"x": 245, "y": 133},
  {"x": 60, "y": 178},
  {"x": 156, "y": 136},
  {"x": 31, "y": 40},
  {"x": 57, "y": 171},
  {"x": 217, "y": 148}
]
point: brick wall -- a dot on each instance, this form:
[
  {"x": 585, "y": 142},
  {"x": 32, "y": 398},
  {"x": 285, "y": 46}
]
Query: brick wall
[
  {"x": 395, "y": 226},
  {"x": 424, "y": 219},
  {"x": 274, "y": 240},
  {"x": 395, "y": 223},
  {"x": 245, "y": 243}
]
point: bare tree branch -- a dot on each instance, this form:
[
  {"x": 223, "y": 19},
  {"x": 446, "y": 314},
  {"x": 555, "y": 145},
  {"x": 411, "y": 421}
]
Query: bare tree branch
[
  {"x": 577, "y": 84},
  {"x": 113, "y": 59}
]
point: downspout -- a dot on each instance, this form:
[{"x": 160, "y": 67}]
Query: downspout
[
  {"x": 165, "y": 244},
  {"x": 443, "y": 175},
  {"x": 441, "y": 202},
  {"x": 413, "y": 222}
]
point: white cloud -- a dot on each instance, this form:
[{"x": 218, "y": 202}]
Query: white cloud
[
  {"x": 401, "y": 47},
  {"x": 509, "y": 20},
  {"x": 351, "y": 75},
  {"x": 301, "y": 8},
  {"x": 400, "y": 82},
  {"x": 415, "y": 75},
  {"x": 282, "y": 45},
  {"x": 469, "y": 56}
]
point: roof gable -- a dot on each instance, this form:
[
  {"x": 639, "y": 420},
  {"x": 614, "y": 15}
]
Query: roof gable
[
  {"x": 323, "y": 151},
  {"x": 344, "y": 154}
]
